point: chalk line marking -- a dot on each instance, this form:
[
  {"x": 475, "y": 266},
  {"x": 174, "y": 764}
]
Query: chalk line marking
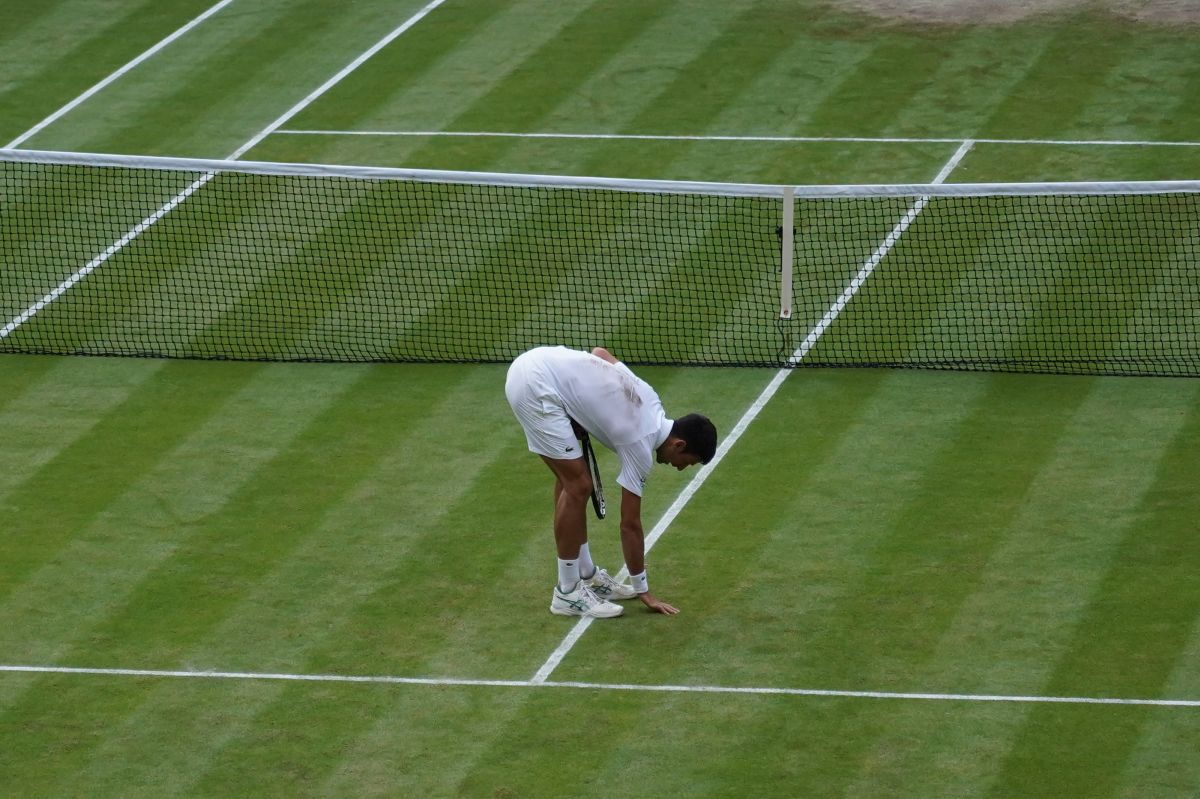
[
  {"x": 736, "y": 138},
  {"x": 66, "y": 109},
  {"x": 594, "y": 686}
]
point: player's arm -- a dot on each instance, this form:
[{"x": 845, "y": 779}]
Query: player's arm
[
  {"x": 604, "y": 354},
  {"x": 633, "y": 544}
]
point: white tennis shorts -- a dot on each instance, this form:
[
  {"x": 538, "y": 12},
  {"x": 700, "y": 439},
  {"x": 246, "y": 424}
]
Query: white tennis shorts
[{"x": 537, "y": 406}]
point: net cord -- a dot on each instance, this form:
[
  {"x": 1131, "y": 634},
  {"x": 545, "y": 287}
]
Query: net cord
[{"x": 602, "y": 183}]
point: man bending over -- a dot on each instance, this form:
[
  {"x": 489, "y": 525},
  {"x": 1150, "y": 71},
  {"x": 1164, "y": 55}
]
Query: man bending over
[{"x": 558, "y": 394}]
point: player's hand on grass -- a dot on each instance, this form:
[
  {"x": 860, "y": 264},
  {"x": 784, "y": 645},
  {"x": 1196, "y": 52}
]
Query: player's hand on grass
[{"x": 657, "y": 605}]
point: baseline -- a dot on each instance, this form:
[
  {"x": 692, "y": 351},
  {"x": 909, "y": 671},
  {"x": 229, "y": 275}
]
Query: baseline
[{"x": 596, "y": 686}]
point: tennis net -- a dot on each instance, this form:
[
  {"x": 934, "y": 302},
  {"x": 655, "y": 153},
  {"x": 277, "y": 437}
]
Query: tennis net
[{"x": 181, "y": 258}]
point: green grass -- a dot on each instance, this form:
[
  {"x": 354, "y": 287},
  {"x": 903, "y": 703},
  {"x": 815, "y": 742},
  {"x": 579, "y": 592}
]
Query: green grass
[{"x": 876, "y": 530}]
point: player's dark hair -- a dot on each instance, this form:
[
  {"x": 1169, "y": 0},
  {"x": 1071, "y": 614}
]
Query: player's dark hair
[{"x": 699, "y": 435}]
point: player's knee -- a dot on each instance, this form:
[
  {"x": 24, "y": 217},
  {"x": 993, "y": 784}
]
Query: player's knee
[{"x": 578, "y": 487}]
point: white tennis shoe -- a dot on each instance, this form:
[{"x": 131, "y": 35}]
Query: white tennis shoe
[
  {"x": 606, "y": 587},
  {"x": 581, "y": 601}
]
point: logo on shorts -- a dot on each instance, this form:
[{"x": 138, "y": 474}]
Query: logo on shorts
[{"x": 570, "y": 449}]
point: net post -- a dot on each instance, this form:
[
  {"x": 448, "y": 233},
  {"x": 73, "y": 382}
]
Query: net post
[{"x": 786, "y": 250}]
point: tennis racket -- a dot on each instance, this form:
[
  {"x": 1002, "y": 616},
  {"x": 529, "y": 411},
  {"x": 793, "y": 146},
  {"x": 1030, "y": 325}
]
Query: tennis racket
[{"x": 594, "y": 470}]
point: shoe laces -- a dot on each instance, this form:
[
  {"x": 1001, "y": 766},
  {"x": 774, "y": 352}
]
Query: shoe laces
[{"x": 588, "y": 594}]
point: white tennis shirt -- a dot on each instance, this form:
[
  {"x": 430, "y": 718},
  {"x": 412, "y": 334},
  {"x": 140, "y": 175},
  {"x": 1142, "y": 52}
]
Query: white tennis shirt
[{"x": 617, "y": 407}]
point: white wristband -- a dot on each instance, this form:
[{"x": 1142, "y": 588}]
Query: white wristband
[{"x": 640, "y": 584}]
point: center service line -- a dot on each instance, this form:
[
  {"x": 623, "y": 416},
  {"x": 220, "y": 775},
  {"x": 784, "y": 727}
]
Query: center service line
[{"x": 576, "y": 632}]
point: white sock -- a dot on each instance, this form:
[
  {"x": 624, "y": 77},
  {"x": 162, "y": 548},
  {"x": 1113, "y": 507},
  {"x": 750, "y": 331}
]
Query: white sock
[
  {"x": 568, "y": 574},
  {"x": 587, "y": 569}
]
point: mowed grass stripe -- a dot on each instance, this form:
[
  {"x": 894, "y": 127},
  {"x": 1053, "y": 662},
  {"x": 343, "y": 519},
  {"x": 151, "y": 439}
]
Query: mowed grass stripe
[
  {"x": 427, "y": 758},
  {"x": 638, "y": 89},
  {"x": 175, "y": 397},
  {"x": 299, "y": 615},
  {"x": 793, "y": 54},
  {"x": 883, "y": 753},
  {"x": 1066, "y": 80},
  {"x": 181, "y": 600},
  {"x": 877, "y": 83},
  {"x": 227, "y": 80},
  {"x": 132, "y": 751},
  {"x": 1147, "y": 94},
  {"x": 56, "y": 50},
  {"x": 549, "y": 73},
  {"x": 644, "y": 87},
  {"x": 498, "y": 78},
  {"x": 1161, "y": 762},
  {"x": 163, "y": 508},
  {"x": 49, "y": 403},
  {"x": 839, "y": 572},
  {"x": 431, "y": 76},
  {"x": 449, "y": 63},
  {"x": 979, "y": 68},
  {"x": 264, "y": 522},
  {"x": 1034, "y": 590},
  {"x": 444, "y": 742},
  {"x": 1180, "y": 120},
  {"x": 724, "y": 59},
  {"x": 1077, "y": 88},
  {"x": 739, "y": 63},
  {"x": 407, "y": 510},
  {"x": 848, "y": 589},
  {"x": 1134, "y": 631}
]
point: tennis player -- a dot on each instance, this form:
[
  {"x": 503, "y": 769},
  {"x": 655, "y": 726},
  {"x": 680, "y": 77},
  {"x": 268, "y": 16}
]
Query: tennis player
[{"x": 549, "y": 389}]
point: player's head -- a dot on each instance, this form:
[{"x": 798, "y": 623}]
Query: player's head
[{"x": 693, "y": 440}]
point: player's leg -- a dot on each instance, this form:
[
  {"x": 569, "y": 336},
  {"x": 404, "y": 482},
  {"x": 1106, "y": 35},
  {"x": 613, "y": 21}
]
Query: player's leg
[
  {"x": 573, "y": 596},
  {"x": 572, "y": 489},
  {"x": 549, "y": 434},
  {"x": 586, "y": 567}
]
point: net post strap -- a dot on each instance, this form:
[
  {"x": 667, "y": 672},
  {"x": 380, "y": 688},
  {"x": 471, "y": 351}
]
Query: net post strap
[{"x": 787, "y": 253}]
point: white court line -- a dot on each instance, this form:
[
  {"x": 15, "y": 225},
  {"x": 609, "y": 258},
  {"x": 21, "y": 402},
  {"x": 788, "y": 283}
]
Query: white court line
[
  {"x": 702, "y": 138},
  {"x": 336, "y": 79},
  {"x": 174, "y": 202},
  {"x": 547, "y": 668},
  {"x": 96, "y": 262},
  {"x": 596, "y": 686},
  {"x": 66, "y": 109}
]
